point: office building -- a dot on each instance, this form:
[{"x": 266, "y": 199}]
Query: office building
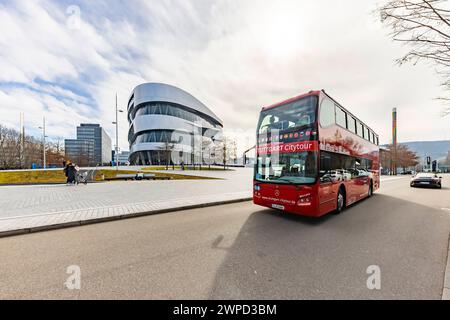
[
  {"x": 80, "y": 152},
  {"x": 122, "y": 157},
  {"x": 92, "y": 146}
]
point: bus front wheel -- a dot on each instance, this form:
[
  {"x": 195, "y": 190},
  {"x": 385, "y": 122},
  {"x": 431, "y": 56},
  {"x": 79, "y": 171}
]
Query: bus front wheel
[{"x": 370, "y": 193}]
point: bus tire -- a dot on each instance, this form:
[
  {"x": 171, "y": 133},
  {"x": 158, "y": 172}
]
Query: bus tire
[
  {"x": 370, "y": 193},
  {"x": 340, "y": 205}
]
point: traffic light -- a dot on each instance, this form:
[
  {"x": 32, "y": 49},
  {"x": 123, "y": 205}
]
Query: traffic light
[
  {"x": 434, "y": 166},
  {"x": 428, "y": 160}
]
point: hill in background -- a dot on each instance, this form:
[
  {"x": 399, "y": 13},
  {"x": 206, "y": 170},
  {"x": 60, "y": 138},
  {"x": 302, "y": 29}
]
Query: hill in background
[{"x": 437, "y": 150}]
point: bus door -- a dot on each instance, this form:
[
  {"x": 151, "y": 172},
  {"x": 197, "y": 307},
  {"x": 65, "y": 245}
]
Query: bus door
[
  {"x": 360, "y": 185},
  {"x": 327, "y": 185},
  {"x": 327, "y": 194}
]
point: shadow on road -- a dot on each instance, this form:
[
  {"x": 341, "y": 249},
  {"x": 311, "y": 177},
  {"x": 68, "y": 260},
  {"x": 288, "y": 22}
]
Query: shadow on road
[{"x": 282, "y": 256}]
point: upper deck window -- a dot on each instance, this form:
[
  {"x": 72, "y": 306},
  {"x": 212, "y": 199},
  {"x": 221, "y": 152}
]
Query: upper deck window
[
  {"x": 360, "y": 129},
  {"x": 351, "y": 124},
  {"x": 292, "y": 115},
  {"x": 341, "y": 117}
]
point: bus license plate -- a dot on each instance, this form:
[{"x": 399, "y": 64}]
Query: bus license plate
[{"x": 277, "y": 206}]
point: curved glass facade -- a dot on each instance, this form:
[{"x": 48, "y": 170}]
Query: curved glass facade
[
  {"x": 163, "y": 136},
  {"x": 160, "y": 115},
  {"x": 152, "y": 157},
  {"x": 172, "y": 110}
]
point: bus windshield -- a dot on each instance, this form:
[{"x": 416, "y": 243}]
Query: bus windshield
[
  {"x": 292, "y": 115},
  {"x": 288, "y": 168}
]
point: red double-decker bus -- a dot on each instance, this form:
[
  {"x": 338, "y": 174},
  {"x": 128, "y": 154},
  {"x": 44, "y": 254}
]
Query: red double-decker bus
[{"x": 314, "y": 156}]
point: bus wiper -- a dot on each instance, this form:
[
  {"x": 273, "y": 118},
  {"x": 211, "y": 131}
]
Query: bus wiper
[
  {"x": 288, "y": 181},
  {"x": 279, "y": 179}
]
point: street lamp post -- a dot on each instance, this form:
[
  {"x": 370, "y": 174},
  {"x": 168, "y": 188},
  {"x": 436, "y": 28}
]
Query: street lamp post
[
  {"x": 117, "y": 135},
  {"x": 43, "y": 141}
]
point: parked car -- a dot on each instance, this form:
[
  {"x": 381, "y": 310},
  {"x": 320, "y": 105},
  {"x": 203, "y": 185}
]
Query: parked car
[{"x": 424, "y": 179}]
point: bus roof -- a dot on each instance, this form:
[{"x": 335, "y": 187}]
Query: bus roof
[{"x": 315, "y": 93}]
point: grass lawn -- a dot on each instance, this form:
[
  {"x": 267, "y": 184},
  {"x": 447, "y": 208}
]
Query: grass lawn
[
  {"x": 57, "y": 176},
  {"x": 197, "y": 168},
  {"x": 174, "y": 176},
  {"x": 32, "y": 177}
]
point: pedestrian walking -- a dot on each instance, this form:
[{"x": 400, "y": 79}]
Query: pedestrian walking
[
  {"x": 71, "y": 173},
  {"x": 66, "y": 165}
]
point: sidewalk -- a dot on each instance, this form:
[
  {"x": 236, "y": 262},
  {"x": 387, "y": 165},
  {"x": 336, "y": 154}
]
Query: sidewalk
[
  {"x": 25, "y": 209},
  {"x": 32, "y": 208}
]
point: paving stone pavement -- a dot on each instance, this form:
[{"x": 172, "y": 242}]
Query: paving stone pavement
[
  {"x": 87, "y": 214},
  {"x": 27, "y": 207}
]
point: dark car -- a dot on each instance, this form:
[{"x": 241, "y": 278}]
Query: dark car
[{"x": 426, "y": 180}]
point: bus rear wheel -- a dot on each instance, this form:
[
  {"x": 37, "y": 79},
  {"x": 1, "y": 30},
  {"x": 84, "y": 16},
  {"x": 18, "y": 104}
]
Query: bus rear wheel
[{"x": 340, "y": 201}]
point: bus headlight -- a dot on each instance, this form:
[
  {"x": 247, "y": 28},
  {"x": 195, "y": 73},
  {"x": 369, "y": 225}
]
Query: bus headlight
[{"x": 257, "y": 187}]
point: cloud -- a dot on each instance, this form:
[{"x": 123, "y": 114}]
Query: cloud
[{"x": 235, "y": 56}]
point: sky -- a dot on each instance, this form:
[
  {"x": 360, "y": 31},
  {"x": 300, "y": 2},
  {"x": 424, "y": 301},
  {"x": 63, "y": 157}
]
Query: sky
[{"x": 66, "y": 60}]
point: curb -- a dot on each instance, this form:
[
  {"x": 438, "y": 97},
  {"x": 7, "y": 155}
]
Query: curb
[
  {"x": 72, "y": 224},
  {"x": 446, "y": 290}
]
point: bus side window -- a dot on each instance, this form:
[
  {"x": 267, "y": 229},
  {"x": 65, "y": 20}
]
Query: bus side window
[
  {"x": 360, "y": 128},
  {"x": 341, "y": 117},
  {"x": 352, "y": 124}
]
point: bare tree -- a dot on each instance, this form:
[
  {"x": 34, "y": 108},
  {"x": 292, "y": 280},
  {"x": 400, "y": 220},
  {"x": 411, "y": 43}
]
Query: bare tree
[
  {"x": 55, "y": 152},
  {"x": 9, "y": 148},
  {"x": 17, "y": 152},
  {"x": 425, "y": 26},
  {"x": 227, "y": 151},
  {"x": 33, "y": 150},
  {"x": 405, "y": 158},
  {"x": 209, "y": 149}
]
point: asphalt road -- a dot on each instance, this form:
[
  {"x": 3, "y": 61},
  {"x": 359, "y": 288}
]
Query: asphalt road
[{"x": 242, "y": 251}]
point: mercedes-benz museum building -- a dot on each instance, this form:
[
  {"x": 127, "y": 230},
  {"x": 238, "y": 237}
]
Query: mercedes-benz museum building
[{"x": 165, "y": 119}]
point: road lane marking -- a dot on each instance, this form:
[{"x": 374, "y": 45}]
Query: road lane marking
[{"x": 390, "y": 179}]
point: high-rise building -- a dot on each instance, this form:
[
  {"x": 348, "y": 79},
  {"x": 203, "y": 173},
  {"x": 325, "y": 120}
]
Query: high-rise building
[
  {"x": 80, "y": 152},
  {"x": 92, "y": 146}
]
